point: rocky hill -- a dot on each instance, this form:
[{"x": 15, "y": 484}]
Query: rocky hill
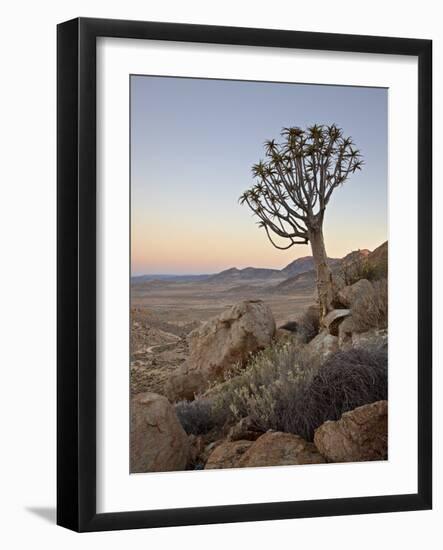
[
  {"x": 235, "y": 275},
  {"x": 302, "y": 265},
  {"x": 376, "y": 261},
  {"x": 302, "y": 281},
  {"x": 298, "y": 275}
]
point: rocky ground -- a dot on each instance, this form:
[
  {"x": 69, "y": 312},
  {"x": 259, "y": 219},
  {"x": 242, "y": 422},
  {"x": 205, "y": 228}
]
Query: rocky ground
[
  {"x": 164, "y": 314},
  {"x": 194, "y": 344},
  {"x": 157, "y": 349}
]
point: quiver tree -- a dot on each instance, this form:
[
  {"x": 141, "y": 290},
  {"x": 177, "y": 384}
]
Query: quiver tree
[{"x": 293, "y": 187}]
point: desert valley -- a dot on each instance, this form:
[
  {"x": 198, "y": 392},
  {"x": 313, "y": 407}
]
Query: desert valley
[
  {"x": 237, "y": 370},
  {"x": 165, "y": 309}
]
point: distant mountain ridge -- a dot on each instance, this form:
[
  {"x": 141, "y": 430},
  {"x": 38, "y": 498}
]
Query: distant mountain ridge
[
  {"x": 237, "y": 275},
  {"x": 301, "y": 265},
  {"x": 167, "y": 277},
  {"x": 305, "y": 280},
  {"x": 298, "y": 273}
]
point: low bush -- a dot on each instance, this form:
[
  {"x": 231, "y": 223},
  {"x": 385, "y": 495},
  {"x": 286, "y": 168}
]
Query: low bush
[
  {"x": 285, "y": 389},
  {"x": 361, "y": 267},
  {"x": 348, "y": 379},
  {"x": 355, "y": 269},
  {"x": 370, "y": 310},
  {"x": 199, "y": 416},
  {"x": 268, "y": 388}
]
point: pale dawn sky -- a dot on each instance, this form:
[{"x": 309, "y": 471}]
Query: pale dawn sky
[{"x": 193, "y": 142}]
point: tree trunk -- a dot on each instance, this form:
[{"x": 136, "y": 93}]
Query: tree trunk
[{"x": 324, "y": 276}]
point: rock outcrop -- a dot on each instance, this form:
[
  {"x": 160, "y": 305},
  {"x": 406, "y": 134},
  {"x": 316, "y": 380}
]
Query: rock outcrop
[
  {"x": 360, "y": 435},
  {"x": 184, "y": 383},
  {"x": 334, "y": 318},
  {"x": 280, "y": 449},
  {"x": 270, "y": 449},
  {"x": 227, "y": 455},
  {"x": 323, "y": 345},
  {"x": 158, "y": 441},
  {"x": 378, "y": 260},
  {"x": 345, "y": 331},
  {"x": 348, "y": 295},
  {"x": 221, "y": 343},
  {"x": 371, "y": 340}
]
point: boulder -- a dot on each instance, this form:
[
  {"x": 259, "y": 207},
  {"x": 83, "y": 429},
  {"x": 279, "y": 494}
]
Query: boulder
[
  {"x": 323, "y": 345},
  {"x": 221, "y": 343},
  {"x": 280, "y": 449},
  {"x": 270, "y": 449},
  {"x": 184, "y": 383},
  {"x": 345, "y": 331},
  {"x": 378, "y": 260},
  {"x": 158, "y": 441},
  {"x": 371, "y": 340},
  {"x": 360, "y": 435},
  {"x": 334, "y": 318},
  {"x": 349, "y": 294},
  {"x": 227, "y": 454},
  {"x": 209, "y": 449}
]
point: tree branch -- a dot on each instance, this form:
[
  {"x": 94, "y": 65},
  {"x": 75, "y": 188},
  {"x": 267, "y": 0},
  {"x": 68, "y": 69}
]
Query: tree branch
[{"x": 298, "y": 178}]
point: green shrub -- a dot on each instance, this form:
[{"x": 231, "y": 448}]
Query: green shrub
[
  {"x": 285, "y": 389},
  {"x": 266, "y": 391}
]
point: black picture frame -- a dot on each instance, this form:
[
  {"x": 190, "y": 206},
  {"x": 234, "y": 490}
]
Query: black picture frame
[{"x": 76, "y": 280}]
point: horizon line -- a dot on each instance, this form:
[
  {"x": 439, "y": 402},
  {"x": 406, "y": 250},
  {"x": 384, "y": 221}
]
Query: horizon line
[{"x": 187, "y": 274}]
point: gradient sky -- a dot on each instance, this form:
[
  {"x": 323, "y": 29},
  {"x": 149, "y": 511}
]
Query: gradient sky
[{"x": 193, "y": 142}]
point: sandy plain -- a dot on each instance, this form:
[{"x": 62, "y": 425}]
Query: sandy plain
[{"x": 163, "y": 313}]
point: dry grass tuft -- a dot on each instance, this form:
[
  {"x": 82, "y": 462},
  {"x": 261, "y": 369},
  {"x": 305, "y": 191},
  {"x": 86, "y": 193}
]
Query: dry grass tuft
[
  {"x": 371, "y": 309},
  {"x": 348, "y": 379}
]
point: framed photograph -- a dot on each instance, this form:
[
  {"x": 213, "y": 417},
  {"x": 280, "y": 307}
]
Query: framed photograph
[{"x": 244, "y": 274}]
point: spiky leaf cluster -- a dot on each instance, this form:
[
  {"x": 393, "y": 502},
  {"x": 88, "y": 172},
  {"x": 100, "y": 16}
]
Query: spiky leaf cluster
[{"x": 295, "y": 181}]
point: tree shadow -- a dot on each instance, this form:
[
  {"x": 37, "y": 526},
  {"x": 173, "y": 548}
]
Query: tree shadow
[{"x": 46, "y": 513}]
